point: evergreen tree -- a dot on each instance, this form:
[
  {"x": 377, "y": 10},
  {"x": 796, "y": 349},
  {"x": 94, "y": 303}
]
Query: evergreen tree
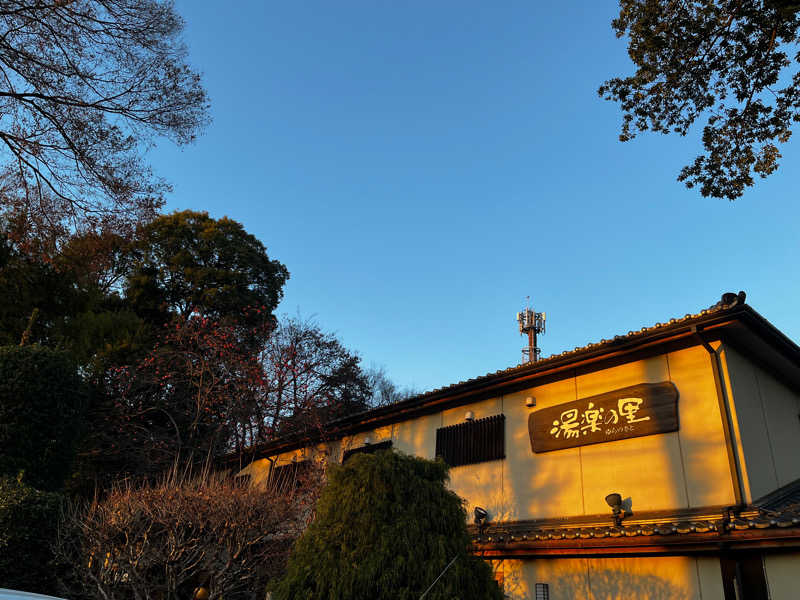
[
  {"x": 42, "y": 404},
  {"x": 386, "y": 527},
  {"x": 28, "y": 530}
]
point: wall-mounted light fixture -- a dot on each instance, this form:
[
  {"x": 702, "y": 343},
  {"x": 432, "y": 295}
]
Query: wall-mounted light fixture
[
  {"x": 615, "y": 502},
  {"x": 530, "y": 401},
  {"x": 200, "y": 593},
  {"x": 481, "y": 518},
  {"x": 470, "y": 416},
  {"x": 367, "y": 440}
]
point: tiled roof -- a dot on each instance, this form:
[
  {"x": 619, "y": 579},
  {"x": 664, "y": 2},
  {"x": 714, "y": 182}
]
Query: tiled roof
[
  {"x": 523, "y": 532},
  {"x": 780, "y": 499},
  {"x": 779, "y": 510},
  {"x": 728, "y": 301},
  {"x": 729, "y": 305}
]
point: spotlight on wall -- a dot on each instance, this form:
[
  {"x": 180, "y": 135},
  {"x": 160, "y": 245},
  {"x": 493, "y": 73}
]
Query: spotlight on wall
[
  {"x": 530, "y": 401},
  {"x": 481, "y": 517},
  {"x": 470, "y": 416},
  {"x": 367, "y": 440},
  {"x": 615, "y": 502},
  {"x": 200, "y": 593}
]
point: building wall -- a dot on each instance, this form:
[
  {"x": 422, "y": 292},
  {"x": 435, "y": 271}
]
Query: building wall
[
  {"x": 258, "y": 470},
  {"x": 686, "y": 468},
  {"x": 781, "y": 571},
  {"x": 643, "y": 578},
  {"x": 682, "y": 469},
  {"x": 766, "y": 422}
]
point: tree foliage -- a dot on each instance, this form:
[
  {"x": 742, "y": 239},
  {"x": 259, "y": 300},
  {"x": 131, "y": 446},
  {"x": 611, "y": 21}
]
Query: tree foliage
[
  {"x": 174, "y": 328},
  {"x": 201, "y": 392},
  {"x": 386, "y": 527},
  {"x": 28, "y": 529},
  {"x": 42, "y": 402},
  {"x": 179, "y": 403},
  {"x": 188, "y": 261},
  {"x": 724, "y": 61},
  {"x": 162, "y": 541},
  {"x": 86, "y": 86},
  {"x": 72, "y": 297},
  {"x": 28, "y": 284}
]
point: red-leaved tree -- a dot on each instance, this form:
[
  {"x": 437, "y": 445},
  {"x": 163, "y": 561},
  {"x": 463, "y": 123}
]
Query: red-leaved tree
[
  {"x": 203, "y": 392},
  {"x": 181, "y": 402}
]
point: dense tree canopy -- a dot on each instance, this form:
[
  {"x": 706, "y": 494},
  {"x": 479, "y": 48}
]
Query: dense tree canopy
[
  {"x": 69, "y": 301},
  {"x": 180, "y": 403},
  {"x": 28, "y": 530},
  {"x": 173, "y": 327},
  {"x": 723, "y": 61},
  {"x": 386, "y": 528},
  {"x": 86, "y": 86},
  {"x": 28, "y": 285},
  {"x": 187, "y": 261},
  {"x": 42, "y": 401}
]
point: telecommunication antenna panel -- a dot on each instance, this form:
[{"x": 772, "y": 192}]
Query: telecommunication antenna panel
[{"x": 532, "y": 324}]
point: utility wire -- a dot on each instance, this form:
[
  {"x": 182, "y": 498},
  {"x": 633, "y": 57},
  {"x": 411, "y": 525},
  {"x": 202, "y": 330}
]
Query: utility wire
[{"x": 425, "y": 593}]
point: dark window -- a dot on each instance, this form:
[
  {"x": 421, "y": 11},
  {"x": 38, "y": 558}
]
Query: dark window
[
  {"x": 368, "y": 449},
  {"x": 290, "y": 474},
  {"x": 542, "y": 591},
  {"x": 473, "y": 441}
]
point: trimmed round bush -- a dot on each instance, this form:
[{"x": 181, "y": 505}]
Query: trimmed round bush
[{"x": 386, "y": 528}]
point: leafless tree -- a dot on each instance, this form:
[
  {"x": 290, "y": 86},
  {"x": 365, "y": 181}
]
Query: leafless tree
[
  {"x": 86, "y": 86},
  {"x": 384, "y": 390},
  {"x": 309, "y": 379}
]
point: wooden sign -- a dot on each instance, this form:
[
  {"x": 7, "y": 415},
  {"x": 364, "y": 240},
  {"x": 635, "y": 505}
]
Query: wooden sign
[{"x": 634, "y": 411}]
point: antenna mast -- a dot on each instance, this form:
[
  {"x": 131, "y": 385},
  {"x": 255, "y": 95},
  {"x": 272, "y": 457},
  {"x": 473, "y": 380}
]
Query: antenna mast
[{"x": 531, "y": 323}]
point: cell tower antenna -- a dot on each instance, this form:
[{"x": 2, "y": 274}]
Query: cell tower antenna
[{"x": 531, "y": 323}]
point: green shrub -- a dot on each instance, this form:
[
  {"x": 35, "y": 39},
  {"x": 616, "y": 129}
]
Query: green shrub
[
  {"x": 386, "y": 527},
  {"x": 28, "y": 529},
  {"x": 42, "y": 400}
]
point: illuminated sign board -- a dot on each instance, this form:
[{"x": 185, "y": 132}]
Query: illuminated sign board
[{"x": 643, "y": 409}]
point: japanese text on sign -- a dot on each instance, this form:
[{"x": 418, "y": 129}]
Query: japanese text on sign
[{"x": 639, "y": 410}]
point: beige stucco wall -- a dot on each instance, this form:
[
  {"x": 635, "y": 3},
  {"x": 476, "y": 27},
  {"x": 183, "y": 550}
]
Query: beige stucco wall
[
  {"x": 767, "y": 425},
  {"x": 641, "y": 578},
  {"x": 259, "y": 470},
  {"x": 417, "y": 436},
  {"x": 539, "y": 485},
  {"x": 687, "y": 468},
  {"x": 782, "y": 575}
]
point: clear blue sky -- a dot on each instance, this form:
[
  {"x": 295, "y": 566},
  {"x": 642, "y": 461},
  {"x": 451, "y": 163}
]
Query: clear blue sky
[{"x": 422, "y": 167}]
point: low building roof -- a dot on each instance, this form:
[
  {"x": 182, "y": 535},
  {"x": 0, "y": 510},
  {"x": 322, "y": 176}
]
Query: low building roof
[
  {"x": 730, "y": 319},
  {"x": 771, "y": 521}
]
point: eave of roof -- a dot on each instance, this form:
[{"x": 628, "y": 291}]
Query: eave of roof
[
  {"x": 710, "y": 323},
  {"x": 771, "y": 520}
]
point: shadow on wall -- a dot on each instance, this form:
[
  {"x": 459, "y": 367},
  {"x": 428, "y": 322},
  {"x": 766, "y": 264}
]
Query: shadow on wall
[
  {"x": 603, "y": 584},
  {"x": 611, "y": 585}
]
